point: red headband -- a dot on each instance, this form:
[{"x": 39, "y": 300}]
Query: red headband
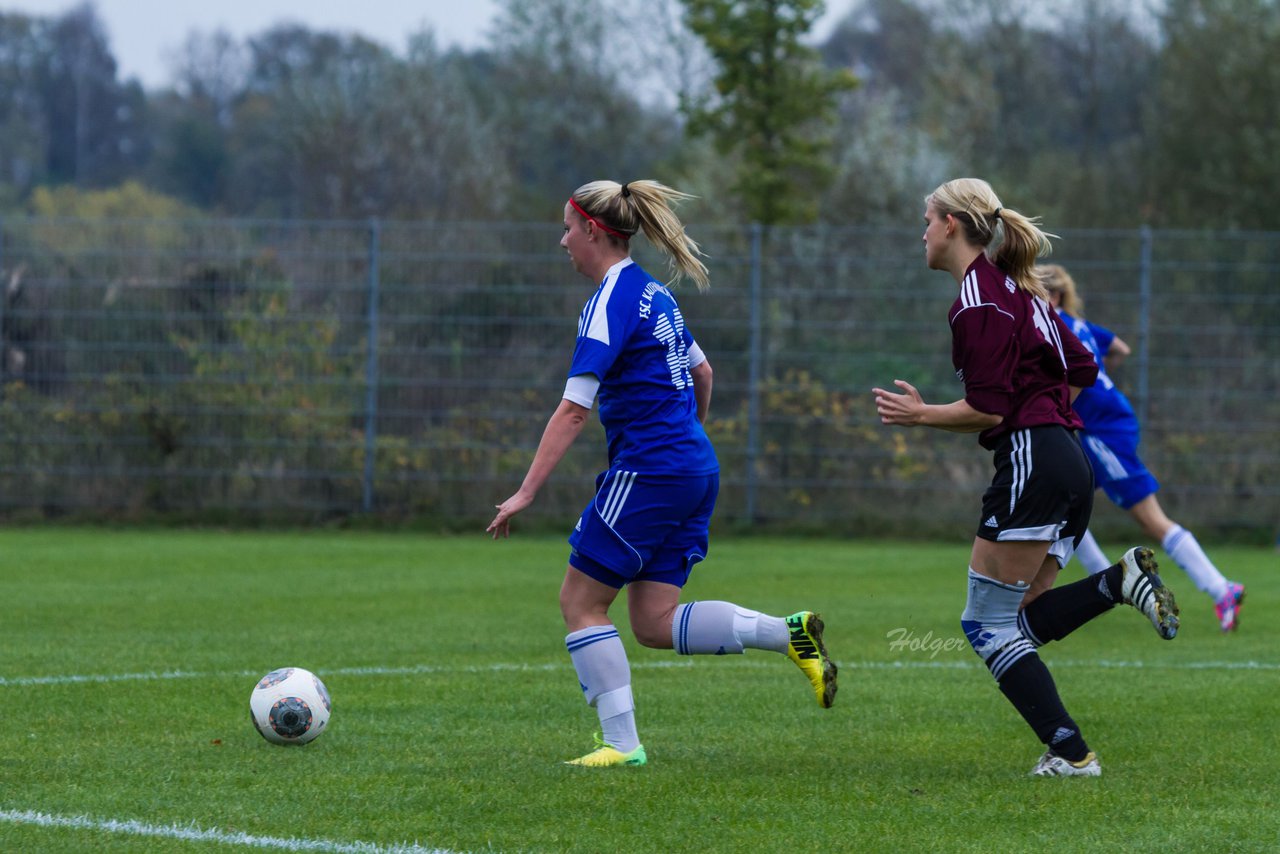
[{"x": 577, "y": 207}]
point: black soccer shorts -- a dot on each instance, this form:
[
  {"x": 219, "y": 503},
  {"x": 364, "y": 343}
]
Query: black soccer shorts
[{"x": 1042, "y": 490}]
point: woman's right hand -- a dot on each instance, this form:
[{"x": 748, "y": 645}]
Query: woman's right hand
[
  {"x": 903, "y": 409},
  {"x": 501, "y": 524}
]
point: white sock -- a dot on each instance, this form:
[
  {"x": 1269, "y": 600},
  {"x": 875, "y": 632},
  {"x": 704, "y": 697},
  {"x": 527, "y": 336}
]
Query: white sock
[
  {"x": 1181, "y": 545},
  {"x": 605, "y": 676},
  {"x": 722, "y": 628},
  {"x": 617, "y": 713},
  {"x": 1091, "y": 557}
]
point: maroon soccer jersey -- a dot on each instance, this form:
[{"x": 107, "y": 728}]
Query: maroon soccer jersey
[{"x": 1014, "y": 354}]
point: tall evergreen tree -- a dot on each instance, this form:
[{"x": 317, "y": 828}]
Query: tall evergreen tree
[{"x": 775, "y": 103}]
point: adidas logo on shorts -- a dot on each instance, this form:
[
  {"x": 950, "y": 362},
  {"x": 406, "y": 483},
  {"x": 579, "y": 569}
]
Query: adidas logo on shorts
[{"x": 991, "y": 523}]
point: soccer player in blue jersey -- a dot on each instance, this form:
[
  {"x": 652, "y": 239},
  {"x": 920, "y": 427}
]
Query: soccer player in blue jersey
[
  {"x": 647, "y": 525},
  {"x": 1020, "y": 368},
  {"x": 1110, "y": 436}
]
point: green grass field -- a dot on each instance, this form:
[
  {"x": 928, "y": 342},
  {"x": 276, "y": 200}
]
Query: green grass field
[{"x": 128, "y": 658}]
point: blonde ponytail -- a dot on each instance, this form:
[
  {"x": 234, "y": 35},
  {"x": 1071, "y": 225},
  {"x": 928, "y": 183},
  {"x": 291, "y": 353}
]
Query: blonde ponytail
[
  {"x": 624, "y": 209},
  {"x": 1011, "y": 240},
  {"x": 1057, "y": 280}
]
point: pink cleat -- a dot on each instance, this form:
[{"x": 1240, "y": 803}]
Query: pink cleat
[{"x": 1228, "y": 607}]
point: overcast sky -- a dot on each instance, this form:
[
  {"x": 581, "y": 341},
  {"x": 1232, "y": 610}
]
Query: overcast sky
[{"x": 145, "y": 34}]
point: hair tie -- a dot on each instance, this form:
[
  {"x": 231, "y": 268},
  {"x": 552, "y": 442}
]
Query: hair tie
[
  {"x": 997, "y": 213},
  {"x": 626, "y": 191}
]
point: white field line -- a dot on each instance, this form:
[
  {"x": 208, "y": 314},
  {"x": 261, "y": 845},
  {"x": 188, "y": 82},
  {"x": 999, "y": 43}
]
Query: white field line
[
  {"x": 199, "y": 834},
  {"x": 499, "y": 667}
]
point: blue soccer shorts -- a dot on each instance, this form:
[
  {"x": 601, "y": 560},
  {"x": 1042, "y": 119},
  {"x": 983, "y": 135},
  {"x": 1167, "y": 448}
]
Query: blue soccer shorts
[
  {"x": 1117, "y": 468},
  {"x": 644, "y": 527}
]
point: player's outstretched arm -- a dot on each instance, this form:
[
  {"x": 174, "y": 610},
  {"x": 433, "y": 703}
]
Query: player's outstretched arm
[
  {"x": 1117, "y": 352},
  {"x": 561, "y": 431},
  {"x": 909, "y": 410}
]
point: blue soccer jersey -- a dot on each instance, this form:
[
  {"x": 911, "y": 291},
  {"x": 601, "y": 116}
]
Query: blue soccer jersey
[
  {"x": 1102, "y": 406},
  {"x": 632, "y": 337}
]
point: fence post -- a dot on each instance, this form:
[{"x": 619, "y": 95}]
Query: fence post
[
  {"x": 1144, "y": 324},
  {"x": 371, "y": 369},
  {"x": 4, "y": 299},
  {"x": 754, "y": 358}
]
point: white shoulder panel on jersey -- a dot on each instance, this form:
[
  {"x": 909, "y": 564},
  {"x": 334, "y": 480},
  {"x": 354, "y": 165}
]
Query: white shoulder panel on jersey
[
  {"x": 597, "y": 321},
  {"x": 970, "y": 297}
]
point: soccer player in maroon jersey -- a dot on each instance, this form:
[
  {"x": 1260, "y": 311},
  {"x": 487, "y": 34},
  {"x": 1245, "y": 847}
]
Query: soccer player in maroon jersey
[{"x": 1021, "y": 368}]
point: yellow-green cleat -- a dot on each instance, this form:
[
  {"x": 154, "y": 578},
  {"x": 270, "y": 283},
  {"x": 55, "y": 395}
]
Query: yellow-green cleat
[
  {"x": 607, "y": 756},
  {"x": 806, "y": 649}
]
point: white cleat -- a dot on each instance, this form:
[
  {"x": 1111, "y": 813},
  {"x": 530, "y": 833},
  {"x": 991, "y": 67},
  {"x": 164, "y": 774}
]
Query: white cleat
[
  {"x": 1053, "y": 765},
  {"x": 1143, "y": 589}
]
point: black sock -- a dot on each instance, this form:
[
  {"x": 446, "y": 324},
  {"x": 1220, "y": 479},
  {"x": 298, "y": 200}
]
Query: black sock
[
  {"x": 1029, "y": 686},
  {"x": 1057, "y": 613}
]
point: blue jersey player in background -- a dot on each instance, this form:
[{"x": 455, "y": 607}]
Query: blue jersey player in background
[
  {"x": 1110, "y": 440},
  {"x": 647, "y": 525}
]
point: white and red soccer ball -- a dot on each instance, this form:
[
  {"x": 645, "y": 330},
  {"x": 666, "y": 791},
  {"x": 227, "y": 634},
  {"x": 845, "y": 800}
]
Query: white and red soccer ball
[{"x": 290, "y": 706}]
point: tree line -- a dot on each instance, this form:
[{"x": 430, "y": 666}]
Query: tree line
[{"x": 1092, "y": 114}]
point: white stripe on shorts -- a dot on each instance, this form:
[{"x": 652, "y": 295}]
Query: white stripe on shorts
[
  {"x": 1114, "y": 468},
  {"x": 1020, "y": 456},
  {"x": 618, "y": 492}
]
